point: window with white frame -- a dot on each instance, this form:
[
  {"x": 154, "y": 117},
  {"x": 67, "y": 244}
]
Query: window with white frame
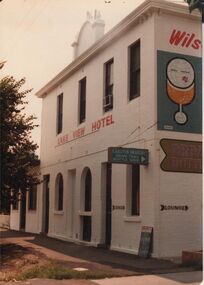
[
  {"x": 82, "y": 100},
  {"x": 108, "y": 89},
  {"x": 59, "y": 113},
  {"x": 134, "y": 70}
]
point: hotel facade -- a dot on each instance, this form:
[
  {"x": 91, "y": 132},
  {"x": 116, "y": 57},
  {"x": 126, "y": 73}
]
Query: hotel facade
[{"x": 121, "y": 136}]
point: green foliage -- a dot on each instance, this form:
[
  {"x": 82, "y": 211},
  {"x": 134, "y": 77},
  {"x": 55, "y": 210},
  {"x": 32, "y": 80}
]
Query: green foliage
[
  {"x": 17, "y": 150},
  {"x": 59, "y": 273},
  {"x": 195, "y": 4}
]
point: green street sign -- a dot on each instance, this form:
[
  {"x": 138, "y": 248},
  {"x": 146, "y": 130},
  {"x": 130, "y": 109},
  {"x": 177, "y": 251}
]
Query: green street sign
[{"x": 128, "y": 155}]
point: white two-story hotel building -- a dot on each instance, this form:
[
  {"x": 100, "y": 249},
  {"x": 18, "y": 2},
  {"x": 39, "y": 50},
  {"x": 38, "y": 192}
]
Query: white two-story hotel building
[{"x": 136, "y": 89}]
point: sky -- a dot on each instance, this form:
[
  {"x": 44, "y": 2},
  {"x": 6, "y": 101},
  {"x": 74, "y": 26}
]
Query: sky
[{"x": 36, "y": 38}]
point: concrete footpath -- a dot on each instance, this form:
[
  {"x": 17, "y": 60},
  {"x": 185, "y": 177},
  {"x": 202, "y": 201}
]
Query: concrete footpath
[
  {"x": 190, "y": 278},
  {"x": 194, "y": 277},
  {"x": 121, "y": 264}
]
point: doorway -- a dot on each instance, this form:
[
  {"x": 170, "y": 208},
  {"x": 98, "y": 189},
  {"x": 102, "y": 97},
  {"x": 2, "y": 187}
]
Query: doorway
[
  {"x": 108, "y": 205},
  {"x": 46, "y": 204},
  {"x": 87, "y": 205},
  {"x": 23, "y": 211}
]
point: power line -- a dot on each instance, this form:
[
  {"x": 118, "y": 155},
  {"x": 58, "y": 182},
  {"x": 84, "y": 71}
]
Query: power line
[
  {"x": 43, "y": 8},
  {"x": 16, "y": 38}
]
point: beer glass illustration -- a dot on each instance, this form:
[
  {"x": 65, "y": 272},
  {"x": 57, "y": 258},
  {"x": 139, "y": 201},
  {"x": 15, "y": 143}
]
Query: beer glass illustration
[{"x": 180, "y": 86}]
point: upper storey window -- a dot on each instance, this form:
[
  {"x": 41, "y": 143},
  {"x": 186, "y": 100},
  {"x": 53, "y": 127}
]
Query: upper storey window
[
  {"x": 134, "y": 70},
  {"x": 82, "y": 100},
  {"x": 59, "y": 113},
  {"x": 108, "y": 96}
]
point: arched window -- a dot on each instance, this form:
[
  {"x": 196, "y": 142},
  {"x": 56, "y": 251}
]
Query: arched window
[
  {"x": 88, "y": 186},
  {"x": 59, "y": 193}
]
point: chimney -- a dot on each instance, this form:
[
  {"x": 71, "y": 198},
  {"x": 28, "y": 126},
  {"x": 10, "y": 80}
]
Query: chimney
[
  {"x": 98, "y": 26},
  {"x": 91, "y": 31}
]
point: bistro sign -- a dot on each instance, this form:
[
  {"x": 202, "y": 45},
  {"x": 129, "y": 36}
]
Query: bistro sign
[
  {"x": 182, "y": 156},
  {"x": 128, "y": 155}
]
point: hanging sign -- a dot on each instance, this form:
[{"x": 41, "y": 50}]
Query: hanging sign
[
  {"x": 179, "y": 91},
  {"x": 128, "y": 155},
  {"x": 182, "y": 156}
]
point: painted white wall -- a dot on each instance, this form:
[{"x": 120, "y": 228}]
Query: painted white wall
[
  {"x": 178, "y": 230},
  {"x": 32, "y": 216},
  {"x": 134, "y": 126},
  {"x": 130, "y": 122},
  {"x": 4, "y": 221},
  {"x": 15, "y": 220}
]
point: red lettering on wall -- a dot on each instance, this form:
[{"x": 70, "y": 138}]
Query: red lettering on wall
[
  {"x": 184, "y": 39},
  {"x": 79, "y": 133},
  {"x": 94, "y": 127},
  {"x": 102, "y": 123},
  {"x": 63, "y": 139},
  {"x": 196, "y": 44},
  {"x": 176, "y": 37},
  {"x": 97, "y": 125}
]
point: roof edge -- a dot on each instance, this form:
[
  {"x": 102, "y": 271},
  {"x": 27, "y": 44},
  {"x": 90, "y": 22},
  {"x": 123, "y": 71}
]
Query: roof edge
[{"x": 149, "y": 6}]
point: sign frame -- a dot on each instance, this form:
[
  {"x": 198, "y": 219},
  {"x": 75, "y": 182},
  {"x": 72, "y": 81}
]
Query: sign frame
[
  {"x": 122, "y": 155},
  {"x": 165, "y": 168},
  {"x": 146, "y": 242}
]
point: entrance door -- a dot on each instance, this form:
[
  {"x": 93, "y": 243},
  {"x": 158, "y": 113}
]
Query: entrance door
[
  {"x": 46, "y": 204},
  {"x": 23, "y": 211},
  {"x": 87, "y": 206},
  {"x": 108, "y": 204}
]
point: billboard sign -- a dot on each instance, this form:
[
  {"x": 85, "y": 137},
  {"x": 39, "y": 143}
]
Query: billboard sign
[{"x": 179, "y": 90}]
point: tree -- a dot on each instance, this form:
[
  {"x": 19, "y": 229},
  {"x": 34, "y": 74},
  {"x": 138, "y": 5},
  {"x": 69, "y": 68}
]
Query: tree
[
  {"x": 17, "y": 150},
  {"x": 196, "y": 4}
]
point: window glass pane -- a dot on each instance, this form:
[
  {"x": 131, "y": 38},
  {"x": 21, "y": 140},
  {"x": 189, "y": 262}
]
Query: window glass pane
[
  {"x": 82, "y": 99},
  {"x": 111, "y": 73},
  {"x": 59, "y": 113},
  {"x": 134, "y": 71},
  {"x": 108, "y": 96},
  {"x": 88, "y": 185},
  {"x": 59, "y": 192},
  {"x": 60, "y": 198}
]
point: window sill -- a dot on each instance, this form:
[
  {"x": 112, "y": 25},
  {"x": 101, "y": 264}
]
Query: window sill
[
  {"x": 58, "y": 212},
  {"x": 83, "y": 213},
  {"x": 134, "y": 219}
]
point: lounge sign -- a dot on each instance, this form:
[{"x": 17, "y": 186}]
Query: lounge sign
[
  {"x": 182, "y": 156},
  {"x": 174, "y": 207},
  {"x": 128, "y": 155}
]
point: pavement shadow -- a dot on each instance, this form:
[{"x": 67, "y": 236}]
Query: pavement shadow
[
  {"x": 194, "y": 277},
  {"x": 113, "y": 259},
  {"x": 5, "y": 233},
  {"x": 103, "y": 256}
]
